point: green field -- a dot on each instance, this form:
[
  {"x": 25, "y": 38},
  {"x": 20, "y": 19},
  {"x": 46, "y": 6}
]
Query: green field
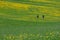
[{"x": 18, "y": 20}]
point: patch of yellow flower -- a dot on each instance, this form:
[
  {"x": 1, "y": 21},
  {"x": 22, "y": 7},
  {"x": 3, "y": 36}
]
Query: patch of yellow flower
[
  {"x": 14, "y": 5},
  {"x": 31, "y": 36},
  {"x": 40, "y": 0}
]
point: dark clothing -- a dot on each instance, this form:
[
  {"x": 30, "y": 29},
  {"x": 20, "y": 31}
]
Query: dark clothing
[
  {"x": 37, "y": 16},
  {"x": 43, "y": 16}
]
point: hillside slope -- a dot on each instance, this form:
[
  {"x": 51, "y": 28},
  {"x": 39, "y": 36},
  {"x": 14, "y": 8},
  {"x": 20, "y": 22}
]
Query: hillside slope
[
  {"x": 18, "y": 20},
  {"x": 29, "y": 11}
]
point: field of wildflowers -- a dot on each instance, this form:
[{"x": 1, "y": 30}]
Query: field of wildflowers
[
  {"x": 18, "y": 20},
  {"x": 30, "y": 36}
]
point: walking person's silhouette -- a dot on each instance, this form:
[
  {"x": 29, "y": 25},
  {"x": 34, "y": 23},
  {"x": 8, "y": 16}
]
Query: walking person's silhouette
[
  {"x": 43, "y": 17},
  {"x": 37, "y": 16}
]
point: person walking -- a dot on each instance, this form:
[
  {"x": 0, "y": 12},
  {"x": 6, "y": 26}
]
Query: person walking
[
  {"x": 37, "y": 16},
  {"x": 43, "y": 17}
]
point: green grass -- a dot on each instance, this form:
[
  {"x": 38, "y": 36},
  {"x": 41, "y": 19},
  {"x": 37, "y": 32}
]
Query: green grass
[
  {"x": 22, "y": 24},
  {"x": 14, "y": 28}
]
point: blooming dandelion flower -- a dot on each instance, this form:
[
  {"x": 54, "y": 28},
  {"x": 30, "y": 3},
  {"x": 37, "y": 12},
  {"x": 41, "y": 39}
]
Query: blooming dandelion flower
[
  {"x": 47, "y": 36},
  {"x": 25, "y": 35},
  {"x": 11, "y": 37},
  {"x": 52, "y": 33},
  {"x": 21, "y": 37},
  {"x": 57, "y": 32},
  {"x": 41, "y": 36},
  {"x": 32, "y": 35},
  {"x": 38, "y": 35},
  {"x": 29, "y": 38},
  {"x": 5, "y": 37}
]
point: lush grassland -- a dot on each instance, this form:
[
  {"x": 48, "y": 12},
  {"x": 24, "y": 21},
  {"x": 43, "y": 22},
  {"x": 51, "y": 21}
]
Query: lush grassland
[
  {"x": 19, "y": 30},
  {"x": 18, "y": 20}
]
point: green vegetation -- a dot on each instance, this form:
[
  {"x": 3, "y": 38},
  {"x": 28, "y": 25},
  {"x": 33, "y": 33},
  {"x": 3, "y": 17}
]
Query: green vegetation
[{"x": 18, "y": 20}]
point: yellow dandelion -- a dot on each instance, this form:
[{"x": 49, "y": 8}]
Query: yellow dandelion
[
  {"x": 38, "y": 35},
  {"x": 47, "y": 36},
  {"x": 52, "y": 33},
  {"x": 41, "y": 36}
]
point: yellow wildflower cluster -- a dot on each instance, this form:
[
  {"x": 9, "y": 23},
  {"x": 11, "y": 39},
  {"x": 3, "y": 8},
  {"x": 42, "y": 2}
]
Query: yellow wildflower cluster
[{"x": 28, "y": 36}]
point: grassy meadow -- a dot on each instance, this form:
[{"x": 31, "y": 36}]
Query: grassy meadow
[{"x": 18, "y": 20}]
